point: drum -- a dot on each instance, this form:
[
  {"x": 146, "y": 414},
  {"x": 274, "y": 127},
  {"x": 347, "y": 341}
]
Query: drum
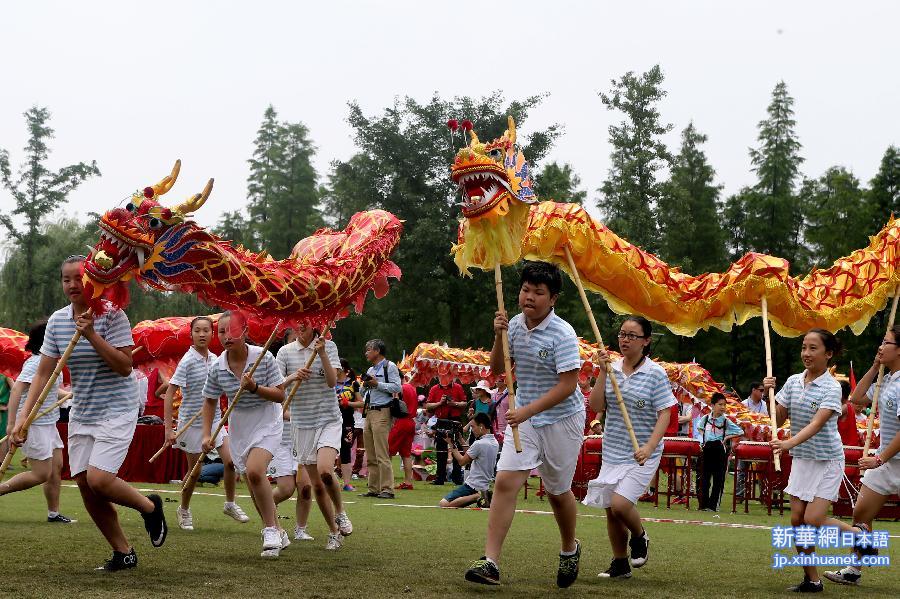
[
  {"x": 681, "y": 446},
  {"x": 753, "y": 451},
  {"x": 588, "y": 466}
]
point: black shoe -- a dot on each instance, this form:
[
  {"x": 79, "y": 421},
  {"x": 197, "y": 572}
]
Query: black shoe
[
  {"x": 867, "y": 550},
  {"x": 119, "y": 561},
  {"x": 640, "y": 548},
  {"x": 155, "y": 522},
  {"x": 568, "y": 568},
  {"x": 385, "y": 495},
  {"x": 807, "y": 586},
  {"x": 59, "y": 518},
  {"x": 438, "y": 483},
  {"x": 618, "y": 568},
  {"x": 483, "y": 571},
  {"x": 369, "y": 494}
]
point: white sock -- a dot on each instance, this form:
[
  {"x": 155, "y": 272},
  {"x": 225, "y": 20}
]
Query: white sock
[
  {"x": 492, "y": 561},
  {"x": 52, "y": 514},
  {"x": 568, "y": 553},
  {"x": 229, "y": 504}
]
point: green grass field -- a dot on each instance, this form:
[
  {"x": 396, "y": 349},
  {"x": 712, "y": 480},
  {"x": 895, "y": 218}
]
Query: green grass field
[{"x": 394, "y": 551}]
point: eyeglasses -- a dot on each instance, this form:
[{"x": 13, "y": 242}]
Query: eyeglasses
[{"x": 630, "y": 336}]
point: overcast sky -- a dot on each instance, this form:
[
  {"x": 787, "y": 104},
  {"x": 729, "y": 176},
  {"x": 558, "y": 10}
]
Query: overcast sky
[{"x": 136, "y": 85}]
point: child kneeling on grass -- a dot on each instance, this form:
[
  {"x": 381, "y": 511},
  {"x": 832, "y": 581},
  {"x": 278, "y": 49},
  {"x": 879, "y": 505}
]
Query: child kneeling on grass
[{"x": 482, "y": 455}]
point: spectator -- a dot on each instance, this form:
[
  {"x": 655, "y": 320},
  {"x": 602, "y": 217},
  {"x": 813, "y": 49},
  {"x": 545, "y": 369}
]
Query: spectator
[
  {"x": 349, "y": 399},
  {"x": 155, "y": 392},
  {"x": 482, "y": 398},
  {"x": 596, "y": 427},
  {"x": 756, "y": 404},
  {"x": 715, "y": 432},
  {"x": 482, "y": 454},
  {"x": 499, "y": 409},
  {"x": 382, "y": 382},
  {"x": 847, "y": 420},
  {"x": 448, "y": 403},
  {"x": 402, "y": 433},
  {"x": 585, "y": 386}
]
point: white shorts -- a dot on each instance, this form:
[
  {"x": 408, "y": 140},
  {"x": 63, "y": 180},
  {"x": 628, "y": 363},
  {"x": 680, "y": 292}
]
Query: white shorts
[
  {"x": 308, "y": 441},
  {"x": 192, "y": 439},
  {"x": 552, "y": 449},
  {"x": 42, "y": 440},
  {"x": 283, "y": 462},
  {"x": 815, "y": 478},
  {"x": 884, "y": 480},
  {"x": 628, "y": 480},
  {"x": 102, "y": 445},
  {"x": 259, "y": 426}
]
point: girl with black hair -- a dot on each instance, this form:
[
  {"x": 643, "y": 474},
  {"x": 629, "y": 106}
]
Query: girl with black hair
[
  {"x": 812, "y": 401},
  {"x": 44, "y": 447},
  {"x": 625, "y": 473}
]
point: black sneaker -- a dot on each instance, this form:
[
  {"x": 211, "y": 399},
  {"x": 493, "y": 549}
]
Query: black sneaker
[
  {"x": 59, "y": 518},
  {"x": 868, "y": 550},
  {"x": 369, "y": 494},
  {"x": 483, "y": 571},
  {"x": 385, "y": 495},
  {"x": 807, "y": 586},
  {"x": 437, "y": 483},
  {"x": 568, "y": 567},
  {"x": 640, "y": 548},
  {"x": 618, "y": 568},
  {"x": 119, "y": 561},
  {"x": 155, "y": 522},
  {"x": 848, "y": 576}
]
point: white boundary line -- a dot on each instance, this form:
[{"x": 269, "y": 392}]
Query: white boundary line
[{"x": 205, "y": 493}]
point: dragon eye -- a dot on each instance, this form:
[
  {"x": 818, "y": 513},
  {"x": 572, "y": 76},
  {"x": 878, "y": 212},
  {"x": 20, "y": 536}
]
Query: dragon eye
[
  {"x": 130, "y": 207},
  {"x": 155, "y": 223},
  {"x": 496, "y": 154}
]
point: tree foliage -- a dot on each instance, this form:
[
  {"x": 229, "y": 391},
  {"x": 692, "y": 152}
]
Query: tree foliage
[{"x": 560, "y": 184}]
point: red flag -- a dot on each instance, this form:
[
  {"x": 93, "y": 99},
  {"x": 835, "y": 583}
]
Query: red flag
[{"x": 852, "y": 378}]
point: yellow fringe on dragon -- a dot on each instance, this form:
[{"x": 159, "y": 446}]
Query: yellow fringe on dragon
[{"x": 503, "y": 222}]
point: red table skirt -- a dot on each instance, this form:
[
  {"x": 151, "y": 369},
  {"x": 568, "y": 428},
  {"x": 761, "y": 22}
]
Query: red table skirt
[{"x": 148, "y": 438}]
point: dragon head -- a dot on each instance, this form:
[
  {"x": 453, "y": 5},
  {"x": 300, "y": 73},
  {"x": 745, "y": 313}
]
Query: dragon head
[
  {"x": 134, "y": 238},
  {"x": 495, "y": 182}
]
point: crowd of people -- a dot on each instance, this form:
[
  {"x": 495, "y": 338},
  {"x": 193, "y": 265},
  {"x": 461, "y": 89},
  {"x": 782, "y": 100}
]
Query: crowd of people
[{"x": 305, "y": 422}]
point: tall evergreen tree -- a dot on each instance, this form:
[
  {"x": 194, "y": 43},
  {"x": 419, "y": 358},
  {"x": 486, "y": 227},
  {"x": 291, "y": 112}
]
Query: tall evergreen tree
[
  {"x": 691, "y": 234},
  {"x": 560, "y": 184},
  {"x": 836, "y": 217},
  {"x": 266, "y": 167},
  {"x": 37, "y": 191},
  {"x": 884, "y": 190},
  {"x": 632, "y": 188}
]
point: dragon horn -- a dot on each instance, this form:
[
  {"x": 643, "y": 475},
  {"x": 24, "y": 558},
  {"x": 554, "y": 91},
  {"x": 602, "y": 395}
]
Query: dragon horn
[
  {"x": 193, "y": 203},
  {"x": 475, "y": 139},
  {"x": 511, "y": 129},
  {"x": 168, "y": 181}
]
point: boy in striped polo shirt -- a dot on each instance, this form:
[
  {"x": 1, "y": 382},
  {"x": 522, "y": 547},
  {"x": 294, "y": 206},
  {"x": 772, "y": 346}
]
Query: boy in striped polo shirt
[
  {"x": 549, "y": 413},
  {"x": 316, "y": 423},
  {"x": 104, "y": 413}
]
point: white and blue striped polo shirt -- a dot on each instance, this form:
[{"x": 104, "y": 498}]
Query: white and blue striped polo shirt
[
  {"x": 315, "y": 403},
  {"x": 646, "y": 392},
  {"x": 888, "y": 410},
  {"x": 802, "y": 402},
  {"x": 29, "y": 369},
  {"x": 100, "y": 392},
  {"x": 190, "y": 377},
  {"x": 541, "y": 355},
  {"x": 221, "y": 380}
]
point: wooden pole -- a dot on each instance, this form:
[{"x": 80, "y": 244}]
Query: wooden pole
[
  {"x": 773, "y": 424},
  {"x": 609, "y": 371},
  {"x": 507, "y": 364},
  {"x": 178, "y": 433},
  {"x": 32, "y": 416},
  {"x": 312, "y": 358},
  {"x": 237, "y": 396},
  {"x": 874, "y": 407}
]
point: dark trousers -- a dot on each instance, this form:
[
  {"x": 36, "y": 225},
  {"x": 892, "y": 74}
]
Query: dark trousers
[
  {"x": 440, "y": 448},
  {"x": 712, "y": 471}
]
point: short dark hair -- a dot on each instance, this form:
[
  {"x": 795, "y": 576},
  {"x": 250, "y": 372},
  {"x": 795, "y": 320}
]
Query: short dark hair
[
  {"x": 196, "y": 318},
  {"x": 73, "y": 259},
  {"x": 716, "y": 398},
  {"x": 345, "y": 365},
  {"x": 36, "y": 337},
  {"x": 483, "y": 419},
  {"x": 845, "y": 390},
  {"x": 377, "y": 344},
  {"x": 538, "y": 273}
]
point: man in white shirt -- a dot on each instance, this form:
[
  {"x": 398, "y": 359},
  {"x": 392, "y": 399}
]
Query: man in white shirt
[{"x": 756, "y": 404}]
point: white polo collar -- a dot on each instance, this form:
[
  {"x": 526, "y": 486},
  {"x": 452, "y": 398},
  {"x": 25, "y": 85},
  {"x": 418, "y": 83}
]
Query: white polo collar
[
  {"x": 816, "y": 381},
  {"x": 195, "y": 355},
  {"x": 618, "y": 364},
  {"x": 541, "y": 325},
  {"x": 253, "y": 352}
]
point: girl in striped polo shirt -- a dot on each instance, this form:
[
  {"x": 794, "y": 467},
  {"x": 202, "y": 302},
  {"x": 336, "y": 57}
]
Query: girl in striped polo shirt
[
  {"x": 882, "y": 475},
  {"x": 44, "y": 447},
  {"x": 625, "y": 473},
  {"x": 812, "y": 401},
  {"x": 255, "y": 423},
  {"x": 104, "y": 413},
  {"x": 190, "y": 377}
]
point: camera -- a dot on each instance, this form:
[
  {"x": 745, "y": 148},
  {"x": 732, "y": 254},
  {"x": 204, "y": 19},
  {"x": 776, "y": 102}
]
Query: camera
[
  {"x": 444, "y": 427},
  {"x": 366, "y": 377}
]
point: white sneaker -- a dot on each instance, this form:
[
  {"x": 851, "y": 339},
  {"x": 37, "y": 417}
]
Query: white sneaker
[
  {"x": 300, "y": 534},
  {"x": 185, "y": 519},
  {"x": 344, "y": 524},
  {"x": 335, "y": 541},
  {"x": 285, "y": 540},
  {"x": 354, "y": 477},
  {"x": 235, "y": 511},
  {"x": 271, "y": 542}
]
